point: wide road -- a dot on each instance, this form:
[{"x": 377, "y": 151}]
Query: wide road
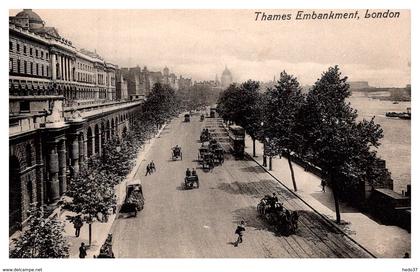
[{"x": 200, "y": 223}]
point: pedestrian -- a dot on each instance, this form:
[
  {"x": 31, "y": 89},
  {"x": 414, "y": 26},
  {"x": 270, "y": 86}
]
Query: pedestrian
[
  {"x": 78, "y": 224},
  {"x": 406, "y": 255},
  {"x": 323, "y": 184},
  {"x": 239, "y": 231},
  {"x": 148, "y": 170},
  {"x": 152, "y": 166},
  {"x": 82, "y": 251}
]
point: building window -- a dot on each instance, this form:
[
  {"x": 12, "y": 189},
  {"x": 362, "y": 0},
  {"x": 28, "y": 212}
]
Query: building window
[
  {"x": 48, "y": 71},
  {"x": 17, "y": 47},
  {"x": 24, "y": 49},
  {"x": 30, "y": 52},
  {"x": 36, "y": 69},
  {"x": 24, "y": 106},
  {"x": 25, "y": 64},
  {"x": 10, "y": 46},
  {"x": 36, "y": 52},
  {"x": 46, "y": 55},
  {"x": 18, "y": 66},
  {"x": 42, "y": 69},
  {"x": 42, "y": 54},
  {"x": 31, "y": 70}
]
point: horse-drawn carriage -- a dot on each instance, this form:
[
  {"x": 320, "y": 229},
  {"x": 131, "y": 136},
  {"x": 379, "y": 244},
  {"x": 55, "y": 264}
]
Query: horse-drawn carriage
[
  {"x": 276, "y": 214},
  {"x": 134, "y": 200},
  {"x": 187, "y": 117},
  {"x": 217, "y": 151},
  {"x": 176, "y": 153},
  {"x": 202, "y": 118},
  {"x": 204, "y": 148},
  {"x": 189, "y": 182},
  {"x": 205, "y": 135},
  {"x": 208, "y": 160}
]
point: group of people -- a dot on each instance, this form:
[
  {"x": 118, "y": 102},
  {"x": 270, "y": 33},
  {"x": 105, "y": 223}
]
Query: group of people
[
  {"x": 188, "y": 172},
  {"x": 150, "y": 168}
]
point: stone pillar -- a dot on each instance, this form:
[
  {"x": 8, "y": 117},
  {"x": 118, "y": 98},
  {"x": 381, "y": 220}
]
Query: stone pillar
[
  {"x": 53, "y": 66},
  {"x": 85, "y": 148},
  {"x": 93, "y": 142},
  {"x": 54, "y": 188},
  {"x": 75, "y": 154},
  {"x": 61, "y": 68},
  {"x": 81, "y": 148},
  {"x": 100, "y": 143},
  {"x": 62, "y": 164}
]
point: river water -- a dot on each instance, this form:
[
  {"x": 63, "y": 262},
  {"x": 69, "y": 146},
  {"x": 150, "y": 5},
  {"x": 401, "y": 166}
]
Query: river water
[{"x": 395, "y": 146}]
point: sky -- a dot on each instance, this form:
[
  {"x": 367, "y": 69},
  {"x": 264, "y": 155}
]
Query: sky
[{"x": 200, "y": 43}]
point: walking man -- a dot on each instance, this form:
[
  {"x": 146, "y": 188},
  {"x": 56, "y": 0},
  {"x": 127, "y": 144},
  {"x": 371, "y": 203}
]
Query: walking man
[
  {"x": 148, "y": 170},
  {"x": 82, "y": 251},
  {"x": 152, "y": 167},
  {"x": 323, "y": 184},
  {"x": 239, "y": 231},
  {"x": 78, "y": 224}
]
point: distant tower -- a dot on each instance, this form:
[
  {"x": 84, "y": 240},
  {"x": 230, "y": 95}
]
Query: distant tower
[
  {"x": 166, "y": 75},
  {"x": 226, "y": 78}
]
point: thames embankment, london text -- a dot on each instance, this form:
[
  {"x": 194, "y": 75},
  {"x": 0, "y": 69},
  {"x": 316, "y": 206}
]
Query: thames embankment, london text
[{"x": 326, "y": 15}]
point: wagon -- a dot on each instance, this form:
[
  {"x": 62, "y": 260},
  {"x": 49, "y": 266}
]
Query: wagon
[
  {"x": 134, "y": 199},
  {"x": 176, "y": 153},
  {"x": 207, "y": 161},
  {"x": 284, "y": 221},
  {"x": 190, "y": 181}
]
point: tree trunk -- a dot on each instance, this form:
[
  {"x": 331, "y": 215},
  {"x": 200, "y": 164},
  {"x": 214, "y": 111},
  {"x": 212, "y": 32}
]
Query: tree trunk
[
  {"x": 90, "y": 234},
  {"x": 335, "y": 194},
  {"x": 292, "y": 172},
  {"x": 270, "y": 163},
  {"x": 253, "y": 147}
]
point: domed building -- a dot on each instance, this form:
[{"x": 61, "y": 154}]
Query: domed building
[
  {"x": 29, "y": 19},
  {"x": 226, "y": 78}
]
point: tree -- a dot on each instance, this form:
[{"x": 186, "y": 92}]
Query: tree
[
  {"x": 249, "y": 110},
  {"x": 161, "y": 104},
  {"x": 333, "y": 139},
  {"x": 92, "y": 193},
  {"x": 283, "y": 104},
  {"x": 42, "y": 238}
]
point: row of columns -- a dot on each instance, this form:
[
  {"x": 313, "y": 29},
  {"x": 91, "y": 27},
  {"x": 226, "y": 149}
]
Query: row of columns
[
  {"x": 78, "y": 148},
  {"x": 64, "y": 65}
]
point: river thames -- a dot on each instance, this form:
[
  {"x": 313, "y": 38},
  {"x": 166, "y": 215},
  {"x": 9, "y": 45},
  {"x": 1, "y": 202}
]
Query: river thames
[{"x": 396, "y": 144}]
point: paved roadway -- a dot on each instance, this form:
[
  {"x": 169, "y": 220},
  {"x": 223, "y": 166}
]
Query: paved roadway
[{"x": 200, "y": 223}]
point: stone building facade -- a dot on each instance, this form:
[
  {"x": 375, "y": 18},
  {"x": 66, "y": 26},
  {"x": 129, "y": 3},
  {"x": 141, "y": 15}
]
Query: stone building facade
[{"x": 62, "y": 109}]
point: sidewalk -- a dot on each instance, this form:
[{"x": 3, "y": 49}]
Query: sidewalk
[
  {"x": 381, "y": 240},
  {"x": 100, "y": 230}
]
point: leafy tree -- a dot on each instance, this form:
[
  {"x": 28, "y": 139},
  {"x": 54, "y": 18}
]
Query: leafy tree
[
  {"x": 283, "y": 104},
  {"x": 42, "y": 238},
  {"x": 92, "y": 193},
  {"x": 333, "y": 139},
  {"x": 161, "y": 104},
  {"x": 249, "y": 110},
  {"x": 228, "y": 103}
]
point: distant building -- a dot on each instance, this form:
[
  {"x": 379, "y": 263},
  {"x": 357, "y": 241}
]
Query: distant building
[
  {"x": 226, "y": 78},
  {"x": 358, "y": 85}
]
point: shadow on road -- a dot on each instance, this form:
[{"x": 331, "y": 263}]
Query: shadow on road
[
  {"x": 256, "y": 188},
  {"x": 251, "y": 218},
  {"x": 253, "y": 169}
]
